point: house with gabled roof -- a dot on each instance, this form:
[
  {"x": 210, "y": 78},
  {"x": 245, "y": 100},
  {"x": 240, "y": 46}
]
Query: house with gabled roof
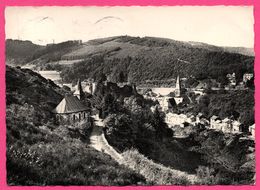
[{"x": 71, "y": 109}]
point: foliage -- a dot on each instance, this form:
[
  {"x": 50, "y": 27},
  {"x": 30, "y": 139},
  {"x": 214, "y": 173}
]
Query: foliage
[
  {"x": 161, "y": 128},
  {"x": 137, "y": 60},
  {"x": 40, "y": 152},
  {"x": 120, "y": 126},
  {"x": 155, "y": 173},
  {"x": 19, "y": 51},
  {"x": 205, "y": 174},
  {"x": 227, "y": 154},
  {"x": 136, "y": 126},
  {"x": 65, "y": 163},
  {"x": 238, "y": 105}
]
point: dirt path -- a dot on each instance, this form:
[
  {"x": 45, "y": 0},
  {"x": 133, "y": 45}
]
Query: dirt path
[{"x": 99, "y": 142}]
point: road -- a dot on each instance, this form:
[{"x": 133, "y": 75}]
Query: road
[{"x": 99, "y": 142}]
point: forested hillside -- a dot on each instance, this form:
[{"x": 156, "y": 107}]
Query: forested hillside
[
  {"x": 138, "y": 59},
  {"x": 19, "y": 52}
]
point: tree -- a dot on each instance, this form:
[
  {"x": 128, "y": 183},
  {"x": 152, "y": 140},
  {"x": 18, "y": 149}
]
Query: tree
[
  {"x": 101, "y": 77},
  {"x": 122, "y": 77},
  {"x": 159, "y": 124},
  {"x": 109, "y": 105},
  {"x": 247, "y": 117},
  {"x": 120, "y": 131},
  {"x": 206, "y": 175},
  {"x": 250, "y": 83},
  {"x": 222, "y": 79}
]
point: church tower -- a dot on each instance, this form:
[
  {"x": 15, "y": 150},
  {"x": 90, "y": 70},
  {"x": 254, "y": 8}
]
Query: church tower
[
  {"x": 178, "y": 99},
  {"x": 178, "y": 87},
  {"x": 79, "y": 92}
]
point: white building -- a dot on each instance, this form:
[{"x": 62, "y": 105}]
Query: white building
[
  {"x": 252, "y": 130},
  {"x": 226, "y": 125},
  {"x": 90, "y": 88},
  {"x": 215, "y": 123},
  {"x": 201, "y": 119},
  {"x": 232, "y": 79},
  {"x": 247, "y": 77},
  {"x": 164, "y": 102},
  {"x": 173, "y": 119}
]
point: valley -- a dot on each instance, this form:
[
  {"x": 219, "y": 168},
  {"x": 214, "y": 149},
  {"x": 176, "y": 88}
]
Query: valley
[{"x": 129, "y": 111}]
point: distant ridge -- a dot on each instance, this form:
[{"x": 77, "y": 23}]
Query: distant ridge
[
  {"x": 239, "y": 50},
  {"x": 19, "y": 51},
  {"x": 136, "y": 59}
]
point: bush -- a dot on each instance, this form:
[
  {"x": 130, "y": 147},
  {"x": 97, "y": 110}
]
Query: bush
[
  {"x": 65, "y": 164},
  {"x": 205, "y": 174},
  {"x": 156, "y": 173}
]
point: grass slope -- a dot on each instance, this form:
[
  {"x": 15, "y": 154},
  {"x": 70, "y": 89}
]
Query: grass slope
[{"x": 40, "y": 152}]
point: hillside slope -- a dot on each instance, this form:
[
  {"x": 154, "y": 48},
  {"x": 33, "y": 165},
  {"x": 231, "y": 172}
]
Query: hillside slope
[
  {"x": 41, "y": 152},
  {"x": 140, "y": 59},
  {"x": 19, "y": 52},
  {"x": 148, "y": 58}
]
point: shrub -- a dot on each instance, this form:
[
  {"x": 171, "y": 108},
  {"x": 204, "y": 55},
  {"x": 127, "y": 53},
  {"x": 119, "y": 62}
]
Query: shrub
[
  {"x": 65, "y": 163},
  {"x": 156, "y": 173},
  {"x": 205, "y": 174}
]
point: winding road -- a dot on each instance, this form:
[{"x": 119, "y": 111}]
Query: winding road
[{"x": 99, "y": 142}]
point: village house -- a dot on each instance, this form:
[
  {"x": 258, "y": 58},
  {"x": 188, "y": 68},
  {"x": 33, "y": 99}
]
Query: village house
[
  {"x": 201, "y": 119},
  {"x": 72, "y": 109},
  {"x": 232, "y": 79},
  {"x": 164, "y": 102},
  {"x": 247, "y": 77},
  {"x": 215, "y": 123},
  {"x": 226, "y": 125},
  {"x": 236, "y": 126},
  {"x": 90, "y": 88},
  {"x": 252, "y": 130},
  {"x": 173, "y": 119},
  {"x": 201, "y": 86}
]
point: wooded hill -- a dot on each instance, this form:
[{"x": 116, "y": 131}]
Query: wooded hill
[
  {"x": 19, "y": 52},
  {"x": 138, "y": 59}
]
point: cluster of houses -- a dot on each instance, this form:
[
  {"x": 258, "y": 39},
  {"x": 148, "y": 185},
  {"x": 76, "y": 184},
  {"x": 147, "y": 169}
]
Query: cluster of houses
[
  {"x": 229, "y": 125},
  {"x": 233, "y": 83},
  {"x": 216, "y": 123},
  {"x": 226, "y": 125},
  {"x": 173, "y": 119}
]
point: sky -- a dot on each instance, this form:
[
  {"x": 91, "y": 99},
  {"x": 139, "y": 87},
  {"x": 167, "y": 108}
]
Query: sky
[{"x": 216, "y": 25}]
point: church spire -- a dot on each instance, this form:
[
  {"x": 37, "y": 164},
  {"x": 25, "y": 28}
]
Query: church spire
[
  {"x": 79, "y": 92},
  {"x": 178, "y": 87}
]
